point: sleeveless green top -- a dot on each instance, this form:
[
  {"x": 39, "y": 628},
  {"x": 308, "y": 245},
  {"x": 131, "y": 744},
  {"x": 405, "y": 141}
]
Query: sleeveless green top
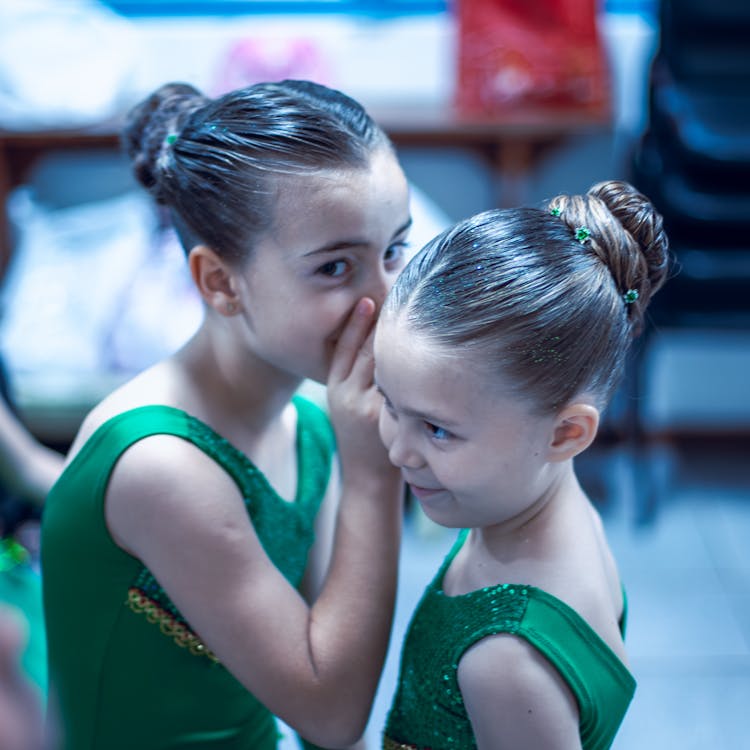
[
  {"x": 125, "y": 668},
  {"x": 428, "y": 712}
]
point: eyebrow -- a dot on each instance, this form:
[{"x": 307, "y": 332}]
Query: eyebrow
[
  {"x": 418, "y": 414},
  {"x": 349, "y": 244}
]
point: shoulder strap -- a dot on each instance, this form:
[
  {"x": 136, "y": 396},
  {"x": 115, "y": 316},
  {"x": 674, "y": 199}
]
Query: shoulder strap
[
  {"x": 93, "y": 464},
  {"x": 602, "y": 684},
  {"x": 316, "y": 421},
  {"x": 437, "y": 581}
]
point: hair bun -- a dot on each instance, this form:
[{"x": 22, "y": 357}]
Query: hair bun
[
  {"x": 626, "y": 233},
  {"x": 149, "y": 123},
  {"x": 644, "y": 224}
]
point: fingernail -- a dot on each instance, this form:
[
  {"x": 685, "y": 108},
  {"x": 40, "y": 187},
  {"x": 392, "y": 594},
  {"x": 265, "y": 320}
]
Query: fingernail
[{"x": 363, "y": 307}]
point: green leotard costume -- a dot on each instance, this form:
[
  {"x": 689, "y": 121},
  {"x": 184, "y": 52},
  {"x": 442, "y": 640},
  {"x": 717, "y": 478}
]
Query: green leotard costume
[
  {"x": 428, "y": 712},
  {"x": 125, "y": 667}
]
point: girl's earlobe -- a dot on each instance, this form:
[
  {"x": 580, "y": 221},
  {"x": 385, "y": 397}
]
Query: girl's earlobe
[
  {"x": 213, "y": 279},
  {"x": 574, "y": 431}
]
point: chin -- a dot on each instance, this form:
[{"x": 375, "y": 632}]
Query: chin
[{"x": 445, "y": 519}]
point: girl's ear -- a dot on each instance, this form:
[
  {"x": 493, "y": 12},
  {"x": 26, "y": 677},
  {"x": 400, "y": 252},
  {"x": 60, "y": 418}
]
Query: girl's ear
[
  {"x": 214, "y": 279},
  {"x": 575, "y": 429}
]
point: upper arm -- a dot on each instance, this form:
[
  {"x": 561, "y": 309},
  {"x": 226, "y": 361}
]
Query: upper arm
[
  {"x": 177, "y": 511},
  {"x": 515, "y": 698}
]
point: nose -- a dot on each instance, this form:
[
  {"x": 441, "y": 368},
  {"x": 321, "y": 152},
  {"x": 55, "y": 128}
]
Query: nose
[
  {"x": 401, "y": 451},
  {"x": 378, "y": 286}
]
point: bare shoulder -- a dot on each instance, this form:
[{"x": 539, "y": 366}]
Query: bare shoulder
[
  {"x": 515, "y": 698},
  {"x": 596, "y": 592},
  {"x": 161, "y": 485},
  {"x": 152, "y": 386},
  {"x": 580, "y": 570}
]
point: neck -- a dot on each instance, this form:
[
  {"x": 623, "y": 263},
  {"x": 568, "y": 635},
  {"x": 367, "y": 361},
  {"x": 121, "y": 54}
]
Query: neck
[
  {"x": 234, "y": 390},
  {"x": 531, "y": 531}
]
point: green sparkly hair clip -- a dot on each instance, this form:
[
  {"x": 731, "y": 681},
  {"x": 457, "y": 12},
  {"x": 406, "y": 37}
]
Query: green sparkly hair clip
[
  {"x": 582, "y": 234},
  {"x": 630, "y": 296},
  {"x": 171, "y": 138}
]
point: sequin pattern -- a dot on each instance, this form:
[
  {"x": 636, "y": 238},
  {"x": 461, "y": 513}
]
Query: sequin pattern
[
  {"x": 170, "y": 625},
  {"x": 428, "y": 711},
  {"x": 389, "y": 744}
]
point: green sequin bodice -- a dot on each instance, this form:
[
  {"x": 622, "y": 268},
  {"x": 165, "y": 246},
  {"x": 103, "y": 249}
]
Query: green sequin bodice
[
  {"x": 125, "y": 666},
  {"x": 428, "y": 712}
]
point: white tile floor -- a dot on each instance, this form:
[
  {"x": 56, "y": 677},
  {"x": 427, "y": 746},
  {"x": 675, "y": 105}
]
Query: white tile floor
[{"x": 688, "y": 574}]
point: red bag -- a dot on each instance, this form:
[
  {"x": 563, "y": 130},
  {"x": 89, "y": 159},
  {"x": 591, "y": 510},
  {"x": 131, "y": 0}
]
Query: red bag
[{"x": 539, "y": 54}]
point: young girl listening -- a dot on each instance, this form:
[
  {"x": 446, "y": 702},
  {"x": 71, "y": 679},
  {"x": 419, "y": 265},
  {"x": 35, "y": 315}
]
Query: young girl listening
[
  {"x": 191, "y": 586},
  {"x": 496, "y": 351}
]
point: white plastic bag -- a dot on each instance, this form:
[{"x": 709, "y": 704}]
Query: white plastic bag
[{"x": 69, "y": 276}]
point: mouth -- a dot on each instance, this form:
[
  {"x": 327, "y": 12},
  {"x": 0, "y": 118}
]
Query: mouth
[{"x": 423, "y": 493}]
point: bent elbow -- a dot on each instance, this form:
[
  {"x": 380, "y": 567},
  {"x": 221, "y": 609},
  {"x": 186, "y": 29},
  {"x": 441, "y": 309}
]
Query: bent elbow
[{"x": 335, "y": 730}]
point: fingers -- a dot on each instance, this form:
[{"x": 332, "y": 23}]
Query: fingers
[
  {"x": 357, "y": 333},
  {"x": 362, "y": 370}
]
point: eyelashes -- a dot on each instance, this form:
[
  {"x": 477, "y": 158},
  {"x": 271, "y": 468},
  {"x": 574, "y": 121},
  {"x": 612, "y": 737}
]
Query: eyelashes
[
  {"x": 434, "y": 432},
  {"x": 334, "y": 269}
]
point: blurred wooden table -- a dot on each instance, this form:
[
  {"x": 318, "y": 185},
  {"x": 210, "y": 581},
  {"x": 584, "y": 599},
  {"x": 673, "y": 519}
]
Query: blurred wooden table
[{"x": 511, "y": 144}]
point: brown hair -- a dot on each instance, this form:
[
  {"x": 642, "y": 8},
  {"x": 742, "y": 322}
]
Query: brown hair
[
  {"x": 543, "y": 301},
  {"x": 214, "y": 162}
]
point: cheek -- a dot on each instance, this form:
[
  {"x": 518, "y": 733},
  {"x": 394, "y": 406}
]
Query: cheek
[
  {"x": 312, "y": 325},
  {"x": 333, "y": 312}
]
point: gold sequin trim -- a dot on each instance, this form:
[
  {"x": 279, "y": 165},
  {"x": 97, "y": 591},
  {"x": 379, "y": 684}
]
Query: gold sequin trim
[
  {"x": 168, "y": 624},
  {"x": 389, "y": 744}
]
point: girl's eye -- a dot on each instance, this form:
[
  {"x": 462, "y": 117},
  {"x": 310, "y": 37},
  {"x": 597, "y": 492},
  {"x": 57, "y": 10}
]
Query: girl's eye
[
  {"x": 334, "y": 268},
  {"x": 439, "y": 433},
  {"x": 394, "y": 255}
]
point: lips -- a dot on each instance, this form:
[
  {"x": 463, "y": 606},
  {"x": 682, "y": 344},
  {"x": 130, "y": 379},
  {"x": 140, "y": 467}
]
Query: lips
[{"x": 423, "y": 493}]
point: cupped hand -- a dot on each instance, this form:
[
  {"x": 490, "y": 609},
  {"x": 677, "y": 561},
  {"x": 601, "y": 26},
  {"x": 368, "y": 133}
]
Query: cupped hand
[{"x": 353, "y": 401}]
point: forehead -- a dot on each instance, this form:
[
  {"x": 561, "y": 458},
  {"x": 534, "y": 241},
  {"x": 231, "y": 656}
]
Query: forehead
[
  {"x": 321, "y": 205},
  {"x": 449, "y": 386},
  {"x": 411, "y": 368}
]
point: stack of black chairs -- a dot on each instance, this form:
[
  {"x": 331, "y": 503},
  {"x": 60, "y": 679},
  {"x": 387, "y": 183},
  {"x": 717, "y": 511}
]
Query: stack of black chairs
[{"x": 693, "y": 161}]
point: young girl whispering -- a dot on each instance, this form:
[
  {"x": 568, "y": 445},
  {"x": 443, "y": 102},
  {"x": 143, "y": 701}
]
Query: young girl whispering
[
  {"x": 193, "y": 588},
  {"x": 496, "y": 351}
]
